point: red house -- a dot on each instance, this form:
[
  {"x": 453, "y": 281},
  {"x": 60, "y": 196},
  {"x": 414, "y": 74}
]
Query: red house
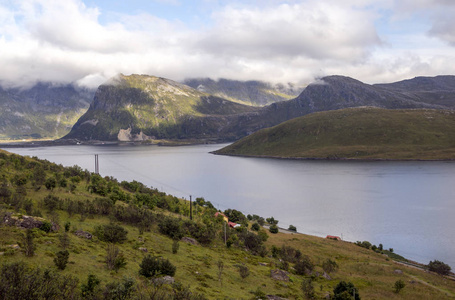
[{"x": 333, "y": 237}]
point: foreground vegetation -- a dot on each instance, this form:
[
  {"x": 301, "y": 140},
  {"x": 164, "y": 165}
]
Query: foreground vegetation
[
  {"x": 95, "y": 238},
  {"x": 356, "y": 133}
]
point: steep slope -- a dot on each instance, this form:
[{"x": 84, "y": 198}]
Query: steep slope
[
  {"x": 439, "y": 90},
  {"x": 141, "y": 107},
  {"x": 42, "y": 111},
  {"x": 252, "y": 92},
  {"x": 88, "y": 215},
  {"x": 356, "y": 133}
]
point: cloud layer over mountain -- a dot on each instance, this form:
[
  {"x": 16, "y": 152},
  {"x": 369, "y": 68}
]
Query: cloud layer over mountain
[{"x": 90, "y": 41}]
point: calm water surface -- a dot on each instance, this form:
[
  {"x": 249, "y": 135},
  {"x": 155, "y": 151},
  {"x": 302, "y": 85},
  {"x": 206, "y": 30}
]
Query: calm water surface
[{"x": 408, "y": 206}]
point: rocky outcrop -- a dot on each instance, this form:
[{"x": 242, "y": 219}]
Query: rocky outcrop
[
  {"x": 189, "y": 240},
  {"x": 84, "y": 234},
  {"x": 280, "y": 275}
]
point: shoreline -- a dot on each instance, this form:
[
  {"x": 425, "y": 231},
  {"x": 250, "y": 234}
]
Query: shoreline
[{"x": 328, "y": 158}]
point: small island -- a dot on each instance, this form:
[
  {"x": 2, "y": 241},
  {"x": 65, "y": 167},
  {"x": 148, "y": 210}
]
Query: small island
[{"x": 366, "y": 133}]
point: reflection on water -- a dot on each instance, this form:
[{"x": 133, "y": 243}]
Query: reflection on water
[{"x": 408, "y": 206}]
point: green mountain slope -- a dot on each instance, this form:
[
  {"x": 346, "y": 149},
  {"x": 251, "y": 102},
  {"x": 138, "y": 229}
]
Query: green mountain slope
[
  {"x": 44, "y": 111},
  {"x": 357, "y": 133},
  {"x": 252, "y": 92},
  {"x": 85, "y": 214},
  {"x": 141, "y": 107}
]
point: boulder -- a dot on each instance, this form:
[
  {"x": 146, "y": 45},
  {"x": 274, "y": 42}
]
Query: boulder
[
  {"x": 143, "y": 249},
  {"x": 189, "y": 240},
  {"x": 278, "y": 274},
  {"x": 326, "y": 276},
  {"x": 164, "y": 280},
  {"x": 83, "y": 234},
  {"x": 398, "y": 272}
]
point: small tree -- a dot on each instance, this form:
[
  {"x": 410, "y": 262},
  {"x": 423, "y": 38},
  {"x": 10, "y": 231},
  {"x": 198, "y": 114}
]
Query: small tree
[
  {"x": 114, "y": 258},
  {"x": 244, "y": 271},
  {"x": 29, "y": 245},
  {"x": 303, "y": 266},
  {"x": 64, "y": 240},
  {"x": 50, "y": 183},
  {"x": 88, "y": 289},
  {"x": 61, "y": 259},
  {"x": 152, "y": 266},
  {"x": 273, "y": 228},
  {"x": 345, "y": 290},
  {"x": 175, "y": 247},
  {"x": 255, "y": 226},
  {"x": 112, "y": 233},
  {"x": 329, "y": 266},
  {"x": 399, "y": 285},
  {"x": 220, "y": 271},
  {"x": 439, "y": 267},
  {"x": 307, "y": 288},
  {"x": 292, "y": 228}
]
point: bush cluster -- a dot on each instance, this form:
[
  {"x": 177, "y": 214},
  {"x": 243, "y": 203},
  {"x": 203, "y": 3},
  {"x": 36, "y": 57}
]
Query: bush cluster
[{"x": 152, "y": 266}]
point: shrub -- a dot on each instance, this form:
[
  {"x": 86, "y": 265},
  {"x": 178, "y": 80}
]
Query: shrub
[
  {"x": 51, "y": 202},
  {"x": 273, "y": 228},
  {"x": 292, "y": 228},
  {"x": 29, "y": 245},
  {"x": 61, "y": 259},
  {"x": 329, "y": 266},
  {"x": 50, "y": 183},
  {"x": 303, "y": 266},
  {"x": 67, "y": 226},
  {"x": 119, "y": 290},
  {"x": 114, "y": 258},
  {"x": 112, "y": 233},
  {"x": 175, "y": 246},
  {"x": 255, "y": 226},
  {"x": 46, "y": 226},
  {"x": 235, "y": 215},
  {"x": 244, "y": 271},
  {"x": 345, "y": 290},
  {"x": 171, "y": 227},
  {"x": 152, "y": 266},
  {"x": 439, "y": 267},
  {"x": 399, "y": 285},
  {"x": 88, "y": 290},
  {"x": 307, "y": 289},
  {"x": 64, "y": 240},
  {"x": 18, "y": 281},
  {"x": 272, "y": 221}
]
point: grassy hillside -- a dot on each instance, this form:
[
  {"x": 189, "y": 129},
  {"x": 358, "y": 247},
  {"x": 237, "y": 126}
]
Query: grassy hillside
[
  {"x": 356, "y": 133},
  {"x": 44, "y": 111},
  {"x": 252, "y": 92},
  {"x": 155, "y": 222},
  {"x": 156, "y": 107}
]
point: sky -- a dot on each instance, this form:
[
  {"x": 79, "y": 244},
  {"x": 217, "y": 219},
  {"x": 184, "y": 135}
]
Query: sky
[{"x": 89, "y": 41}]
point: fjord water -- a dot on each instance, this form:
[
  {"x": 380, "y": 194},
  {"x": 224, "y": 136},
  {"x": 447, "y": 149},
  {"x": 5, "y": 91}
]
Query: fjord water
[{"x": 408, "y": 206}]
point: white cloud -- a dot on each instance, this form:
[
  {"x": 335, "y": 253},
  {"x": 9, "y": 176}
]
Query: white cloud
[{"x": 64, "y": 41}]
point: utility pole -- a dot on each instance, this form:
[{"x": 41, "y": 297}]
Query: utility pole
[
  {"x": 191, "y": 209},
  {"x": 97, "y": 166}
]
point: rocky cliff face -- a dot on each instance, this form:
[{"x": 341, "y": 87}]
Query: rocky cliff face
[
  {"x": 257, "y": 93},
  {"x": 142, "y": 107},
  {"x": 42, "y": 111}
]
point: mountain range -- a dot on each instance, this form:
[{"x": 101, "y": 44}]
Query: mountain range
[
  {"x": 141, "y": 107},
  {"x": 43, "y": 111}
]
